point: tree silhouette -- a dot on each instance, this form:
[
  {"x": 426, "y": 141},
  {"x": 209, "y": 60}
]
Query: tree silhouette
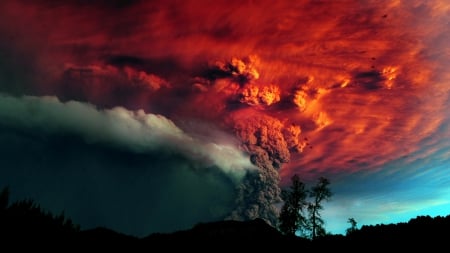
[
  {"x": 291, "y": 215},
  {"x": 4, "y": 198},
  {"x": 318, "y": 193},
  {"x": 27, "y": 220},
  {"x": 353, "y": 226}
]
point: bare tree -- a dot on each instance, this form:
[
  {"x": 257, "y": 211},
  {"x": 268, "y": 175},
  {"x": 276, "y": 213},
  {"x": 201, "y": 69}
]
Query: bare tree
[
  {"x": 291, "y": 215},
  {"x": 319, "y": 193},
  {"x": 353, "y": 226}
]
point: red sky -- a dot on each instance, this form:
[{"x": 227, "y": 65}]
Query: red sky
[{"x": 345, "y": 85}]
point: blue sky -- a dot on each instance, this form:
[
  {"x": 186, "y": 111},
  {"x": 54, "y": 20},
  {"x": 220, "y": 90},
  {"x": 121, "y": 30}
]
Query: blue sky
[{"x": 395, "y": 193}]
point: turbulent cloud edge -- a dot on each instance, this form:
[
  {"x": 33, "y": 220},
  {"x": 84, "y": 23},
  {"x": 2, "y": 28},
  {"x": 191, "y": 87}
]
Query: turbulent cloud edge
[{"x": 135, "y": 131}]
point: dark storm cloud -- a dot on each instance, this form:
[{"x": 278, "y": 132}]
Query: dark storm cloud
[
  {"x": 164, "y": 66},
  {"x": 96, "y": 185},
  {"x": 370, "y": 80},
  {"x": 132, "y": 171},
  {"x": 135, "y": 131},
  {"x": 15, "y": 72},
  {"x": 107, "y": 84},
  {"x": 240, "y": 71}
]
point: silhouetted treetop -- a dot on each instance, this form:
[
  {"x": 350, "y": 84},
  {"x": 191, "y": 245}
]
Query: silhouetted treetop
[{"x": 4, "y": 198}]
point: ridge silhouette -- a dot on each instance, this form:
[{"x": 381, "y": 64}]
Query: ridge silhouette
[{"x": 24, "y": 223}]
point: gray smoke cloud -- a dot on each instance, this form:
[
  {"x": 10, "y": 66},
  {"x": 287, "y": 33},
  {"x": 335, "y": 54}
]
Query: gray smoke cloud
[
  {"x": 262, "y": 136},
  {"x": 136, "y": 131},
  {"x": 131, "y": 171},
  {"x": 268, "y": 140}
]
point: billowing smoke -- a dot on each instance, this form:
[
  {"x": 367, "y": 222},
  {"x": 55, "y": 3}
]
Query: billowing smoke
[
  {"x": 268, "y": 142},
  {"x": 121, "y": 82},
  {"x": 101, "y": 74},
  {"x": 267, "y": 139},
  {"x": 265, "y": 95},
  {"x": 240, "y": 70},
  {"x": 135, "y": 131},
  {"x": 264, "y": 137},
  {"x": 110, "y": 167}
]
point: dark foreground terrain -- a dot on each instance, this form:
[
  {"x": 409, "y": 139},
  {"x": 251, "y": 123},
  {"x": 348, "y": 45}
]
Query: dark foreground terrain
[
  {"x": 24, "y": 232},
  {"x": 24, "y": 224}
]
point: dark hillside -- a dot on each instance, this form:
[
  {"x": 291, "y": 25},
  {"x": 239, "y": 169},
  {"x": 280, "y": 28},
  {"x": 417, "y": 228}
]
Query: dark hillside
[{"x": 24, "y": 224}]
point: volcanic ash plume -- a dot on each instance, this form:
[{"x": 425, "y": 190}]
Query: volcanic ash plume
[
  {"x": 267, "y": 139},
  {"x": 268, "y": 142},
  {"x": 266, "y": 95},
  {"x": 135, "y": 131}
]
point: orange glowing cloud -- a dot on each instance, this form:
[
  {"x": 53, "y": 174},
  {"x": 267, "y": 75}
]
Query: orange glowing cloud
[
  {"x": 266, "y": 95},
  {"x": 353, "y": 85}
]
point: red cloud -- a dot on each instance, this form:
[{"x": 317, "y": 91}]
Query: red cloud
[{"x": 363, "y": 82}]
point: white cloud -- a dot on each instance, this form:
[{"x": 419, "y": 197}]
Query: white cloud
[{"x": 135, "y": 131}]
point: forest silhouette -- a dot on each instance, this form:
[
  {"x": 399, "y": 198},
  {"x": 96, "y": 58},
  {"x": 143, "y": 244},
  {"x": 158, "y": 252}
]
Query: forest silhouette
[{"x": 25, "y": 224}]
